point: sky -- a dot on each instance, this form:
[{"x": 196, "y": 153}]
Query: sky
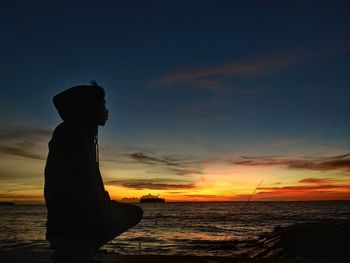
[{"x": 208, "y": 100}]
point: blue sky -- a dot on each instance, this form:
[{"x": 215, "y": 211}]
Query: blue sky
[{"x": 197, "y": 79}]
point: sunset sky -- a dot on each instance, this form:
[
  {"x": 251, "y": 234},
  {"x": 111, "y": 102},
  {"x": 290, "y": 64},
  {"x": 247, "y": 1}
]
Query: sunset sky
[{"x": 206, "y": 98}]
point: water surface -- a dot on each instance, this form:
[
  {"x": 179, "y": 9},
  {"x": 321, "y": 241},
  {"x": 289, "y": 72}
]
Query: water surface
[{"x": 180, "y": 228}]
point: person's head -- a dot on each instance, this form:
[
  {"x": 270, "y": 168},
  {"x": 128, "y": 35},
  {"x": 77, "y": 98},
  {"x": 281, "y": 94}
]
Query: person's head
[{"x": 82, "y": 104}]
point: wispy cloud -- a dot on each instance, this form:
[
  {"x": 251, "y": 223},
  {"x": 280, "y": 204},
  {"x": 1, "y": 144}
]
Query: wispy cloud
[
  {"x": 201, "y": 195},
  {"x": 165, "y": 164},
  {"x": 308, "y": 187},
  {"x": 23, "y": 142},
  {"x": 305, "y": 189},
  {"x": 185, "y": 171},
  {"x": 167, "y": 172},
  {"x": 228, "y": 80},
  {"x": 23, "y": 132},
  {"x": 341, "y": 162},
  {"x": 305, "y": 192},
  {"x": 213, "y": 77},
  {"x": 154, "y": 184},
  {"x": 316, "y": 180},
  {"x": 295, "y": 194},
  {"x": 153, "y": 160},
  {"x": 18, "y": 150}
]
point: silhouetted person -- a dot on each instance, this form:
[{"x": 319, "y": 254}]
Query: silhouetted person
[{"x": 80, "y": 215}]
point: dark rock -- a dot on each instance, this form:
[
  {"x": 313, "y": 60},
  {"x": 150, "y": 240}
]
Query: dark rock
[{"x": 314, "y": 239}]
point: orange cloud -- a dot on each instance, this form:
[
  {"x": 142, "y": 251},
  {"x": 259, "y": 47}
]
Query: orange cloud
[
  {"x": 315, "y": 189},
  {"x": 307, "y": 187},
  {"x": 315, "y": 180},
  {"x": 301, "y": 195}
]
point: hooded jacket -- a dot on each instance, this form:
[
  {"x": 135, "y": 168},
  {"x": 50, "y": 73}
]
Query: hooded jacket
[{"x": 76, "y": 201}]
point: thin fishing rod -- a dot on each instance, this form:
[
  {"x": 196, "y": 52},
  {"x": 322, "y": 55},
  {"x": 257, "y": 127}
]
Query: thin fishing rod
[{"x": 245, "y": 206}]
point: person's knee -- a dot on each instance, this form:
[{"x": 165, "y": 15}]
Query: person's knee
[{"x": 125, "y": 216}]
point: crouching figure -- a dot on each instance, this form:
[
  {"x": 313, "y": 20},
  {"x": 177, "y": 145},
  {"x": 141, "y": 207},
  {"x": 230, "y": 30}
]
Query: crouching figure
[{"x": 81, "y": 217}]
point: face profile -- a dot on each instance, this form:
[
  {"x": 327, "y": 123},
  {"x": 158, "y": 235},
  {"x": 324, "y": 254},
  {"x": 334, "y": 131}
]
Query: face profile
[{"x": 102, "y": 113}]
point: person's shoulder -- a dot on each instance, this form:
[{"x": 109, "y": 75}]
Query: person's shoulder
[
  {"x": 66, "y": 132},
  {"x": 64, "y": 128}
]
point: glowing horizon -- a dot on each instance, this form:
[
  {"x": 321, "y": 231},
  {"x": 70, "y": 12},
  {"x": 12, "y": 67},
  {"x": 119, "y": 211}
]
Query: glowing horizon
[{"x": 218, "y": 179}]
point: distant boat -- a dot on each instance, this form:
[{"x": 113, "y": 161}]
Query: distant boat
[
  {"x": 151, "y": 199},
  {"x": 7, "y": 203}
]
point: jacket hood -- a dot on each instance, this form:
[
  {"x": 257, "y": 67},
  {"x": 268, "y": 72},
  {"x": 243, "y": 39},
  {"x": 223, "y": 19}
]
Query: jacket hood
[{"x": 79, "y": 103}]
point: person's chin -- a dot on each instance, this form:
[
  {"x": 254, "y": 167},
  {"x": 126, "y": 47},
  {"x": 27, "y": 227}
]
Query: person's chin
[{"x": 102, "y": 123}]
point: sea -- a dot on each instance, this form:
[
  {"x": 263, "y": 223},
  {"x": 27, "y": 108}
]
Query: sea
[{"x": 199, "y": 228}]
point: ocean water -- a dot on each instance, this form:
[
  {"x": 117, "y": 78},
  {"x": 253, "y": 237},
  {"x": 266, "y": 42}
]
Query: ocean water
[{"x": 209, "y": 228}]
